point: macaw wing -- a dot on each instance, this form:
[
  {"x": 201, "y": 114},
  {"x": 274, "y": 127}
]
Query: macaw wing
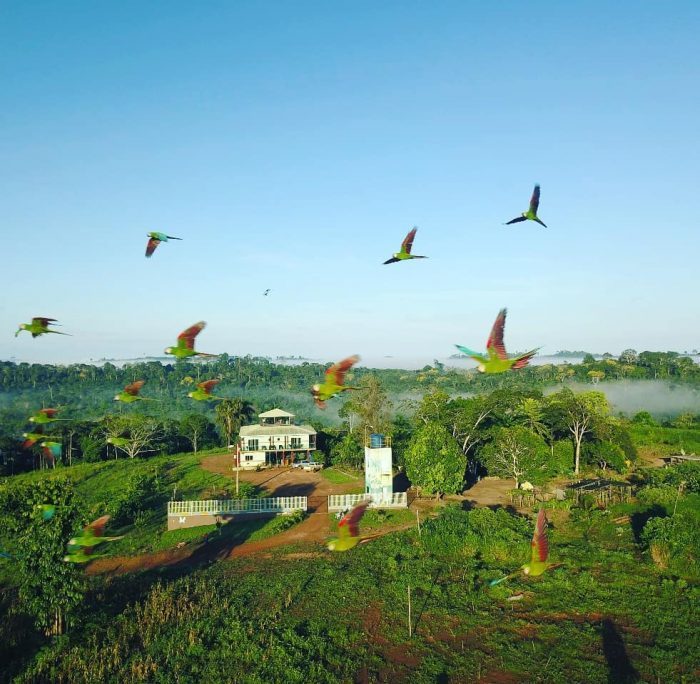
[
  {"x": 474, "y": 355},
  {"x": 97, "y": 527},
  {"x": 407, "y": 243},
  {"x": 186, "y": 338},
  {"x": 135, "y": 387},
  {"x": 151, "y": 246},
  {"x": 49, "y": 412},
  {"x": 540, "y": 546},
  {"x": 43, "y": 322},
  {"x": 336, "y": 373},
  {"x": 495, "y": 341},
  {"x": 349, "y": 526},
  {"x": 522, "y": 361},
  {"x": 535, "y": 199},
  {"x": 208, "y": 385}
]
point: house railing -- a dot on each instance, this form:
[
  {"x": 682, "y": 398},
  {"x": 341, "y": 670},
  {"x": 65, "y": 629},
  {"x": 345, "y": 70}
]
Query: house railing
[
  {"x": 278, "y": 504},
  {"x": 339, "y": 502}
]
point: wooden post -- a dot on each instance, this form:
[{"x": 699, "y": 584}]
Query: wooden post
[
  {"x": 418, "y": 521},
  {"x": 410, "y": 627}
]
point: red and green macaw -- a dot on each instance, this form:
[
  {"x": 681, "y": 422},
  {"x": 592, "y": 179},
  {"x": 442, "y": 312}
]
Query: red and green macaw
[
  {"x": 131, "y": 393},
  {"x": 531, "y": 213},
  {"x": 81, "y": 548},
  {"x": 349, "y": 529},
  {"x": 203, "y": 391},
  {"x": 39, "y": 326},
  {"x": 497, "y": 360},
  {"x": 405, "y": 251},
  {"x": 45, "y": 416},
  {"x": 51, "y": 450},
  {"x": 540, "y": 551},
  {"x": 185, "y": 342},
  {"x": 333, "y": 381},
  {"x": 154, "y": 239}
]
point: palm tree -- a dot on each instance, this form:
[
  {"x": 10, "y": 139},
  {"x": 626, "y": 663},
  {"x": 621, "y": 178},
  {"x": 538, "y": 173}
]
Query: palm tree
[{"x": 231, "y": 414}]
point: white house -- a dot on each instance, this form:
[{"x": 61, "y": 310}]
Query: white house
[{"x": 275, "y": 440}]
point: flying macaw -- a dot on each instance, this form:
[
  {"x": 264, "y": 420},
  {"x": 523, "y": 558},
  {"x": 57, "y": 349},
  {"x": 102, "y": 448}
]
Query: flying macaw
[
  {"x": 497, "y": 360},
  {"x": 185, "y": 342},
  {"x": 333, "y": 382},
  {"x": 155, "y": 239},
  {"x": 131, "y": 393},
  {"x": 31, "y": 438},
  {"x": 349, "y": 529},
  {"x": 203, "y": 391},
  {"x": 405, "y": 251},
  {"x": 52, "y": 450},
  {"x": 47, "y": 511},
  {"x": 531, "y": 213},
  {"x": 118, "y": 441},
  {"x": 39, "y": 326},
  {"x": 45, "y": 416},
  {"x": 540, "y": 550},
  {"x": 80, "y": 549}
]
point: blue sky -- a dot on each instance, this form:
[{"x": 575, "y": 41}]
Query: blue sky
[{"x": 293, "y": 145}]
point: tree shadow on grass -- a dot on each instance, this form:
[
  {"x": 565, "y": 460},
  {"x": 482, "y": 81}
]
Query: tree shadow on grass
[
  {"x": 620, "y": 668},
  {"x": 115, "y": 592}
]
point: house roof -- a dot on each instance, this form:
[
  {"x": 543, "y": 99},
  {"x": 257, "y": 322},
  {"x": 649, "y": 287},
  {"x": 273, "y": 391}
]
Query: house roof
[
  {"x": 274, "y": 430},
  {"x": 276, "y": 413}
]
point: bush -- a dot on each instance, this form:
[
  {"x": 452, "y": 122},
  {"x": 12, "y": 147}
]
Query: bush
[
  {"x": 605, "y": 455},
  {"x": 141, "y": 493},
  {"x": 664, "y": 494},
  {"x": 688, "y": 473}
]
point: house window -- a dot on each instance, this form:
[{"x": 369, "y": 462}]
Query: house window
[
  {"x": 249, "y": 457},
  {"x": 296, "y": 443},
  {"x": 252, "y": 445}
]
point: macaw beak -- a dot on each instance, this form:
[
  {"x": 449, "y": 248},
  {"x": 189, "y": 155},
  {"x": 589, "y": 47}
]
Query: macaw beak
[{"x": 481, "y": 368}]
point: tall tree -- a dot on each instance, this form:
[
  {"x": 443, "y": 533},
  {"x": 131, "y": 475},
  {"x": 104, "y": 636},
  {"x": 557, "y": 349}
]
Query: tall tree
[
  {"x": 231, "y": 414},
  {"x": 579, "y": 414},
  {"x": 515, "y": 452},
  {"x": 434, "y": 460},
  {"x": 49, "y": 588},
  {"x": 194, "y": 427},
  {"x": 140, "y": 433},
  {"x": 371, "y": 405}
]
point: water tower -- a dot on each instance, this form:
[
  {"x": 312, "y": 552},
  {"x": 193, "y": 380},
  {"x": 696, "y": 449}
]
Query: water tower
[{"x": 378, "y": 474}]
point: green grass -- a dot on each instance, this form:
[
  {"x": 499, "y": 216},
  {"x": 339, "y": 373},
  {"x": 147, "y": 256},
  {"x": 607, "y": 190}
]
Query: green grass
[
  {"x": 343, "y": 617},
  {"x": 335, "y": 475}
]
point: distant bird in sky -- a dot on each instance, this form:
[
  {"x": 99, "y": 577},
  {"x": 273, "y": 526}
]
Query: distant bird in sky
[
  {"x": 203, "y": 391},
  {"x": 131, "y": 393},
  {"x": 267, "y": 292},
  {"x": 405, "y": 251},
  {"x": 531, "y": 213},
  {"x": 497, "y": 360},
  {"x": 39, "y": 326},
  {"x": 46, "y": 415},
  {"x": 333, "y": 381},
  {"x": 185, "y": 342},
  {"x": 349, "y": 529},
  {"x": 81, "y": 548},
  {"x": 540, "y": 551},
  {"x": 155, "y": 239}
]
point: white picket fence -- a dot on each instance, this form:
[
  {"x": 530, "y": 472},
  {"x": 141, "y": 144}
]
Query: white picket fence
[
  {"x": 278, "y": 504},
  {"x": 339, "y": 502}
]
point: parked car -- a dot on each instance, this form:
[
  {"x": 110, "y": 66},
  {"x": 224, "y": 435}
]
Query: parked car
[{"x": 308, "y": 465}]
